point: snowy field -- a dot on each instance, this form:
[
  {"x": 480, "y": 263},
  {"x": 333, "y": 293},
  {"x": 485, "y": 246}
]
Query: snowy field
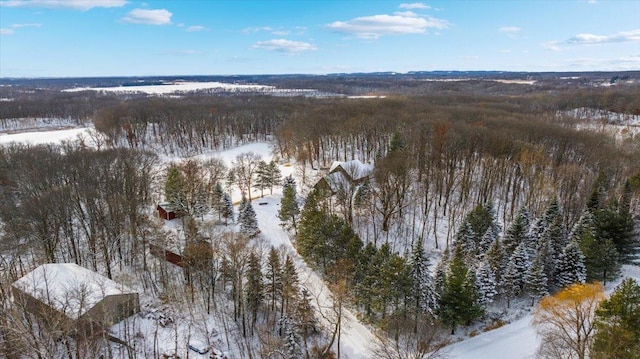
[
  {"x": 42, "y": 137},
  {"x": 176, "y": 87}
]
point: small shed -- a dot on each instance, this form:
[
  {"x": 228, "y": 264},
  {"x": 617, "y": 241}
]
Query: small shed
[
  {"x": 79, "y": 301},
  {"x": 166, "y": 211}
]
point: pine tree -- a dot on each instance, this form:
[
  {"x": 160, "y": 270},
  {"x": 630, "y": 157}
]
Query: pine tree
[
  {"x": 517, "y": 232},
  {"x": 497, "y": 260},
  {"x": 289, "y": 181},
  {"x": 275, "y": 176},
  {"x": 615, "y": 223},
  {"x": 459, "y": 297},
  {"x": 290, "y": 285},
  {"x": 571, "y": 268},
  {"x": 555, "y": 238},
  {"x": 248, "y": 220},
  {"x": 254, "y": 289},
  {"x": 518, "y": 266},
  {"x": 424, "y": 293},
  {"x": 273, "y": 276},
  {"x": 600, "y": 257},
  {"x": 305, "y": 312},
  {"x": 466, "y": 239},
  {"x": 617, "y": 324},
  {"x": 226, "y": 208},
  {"x": 217, "y": 199},
  {"x": 536, "y": 279},
  {"x": 485, "y": 284},
  {"x": 174, "y": 187},
  {"x": 289, "y": 209},
  {"x": 263, "y": 177},
  {"x": 292, "y": 338}
]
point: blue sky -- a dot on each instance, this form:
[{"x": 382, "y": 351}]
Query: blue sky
[{"x": 68, "y": 38}]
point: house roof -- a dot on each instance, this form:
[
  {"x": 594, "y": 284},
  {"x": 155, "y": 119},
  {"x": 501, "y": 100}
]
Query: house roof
[
  {"x": 336, "y": 181},
  {"x": 68, "y": 287},
  {"x": 355, "y": 169},
  {"x": 166, "y": 206}
]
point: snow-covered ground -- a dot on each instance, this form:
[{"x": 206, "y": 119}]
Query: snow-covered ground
[
  {"x": 176, "y": 87},
  {"x": 41, "y": 137}
]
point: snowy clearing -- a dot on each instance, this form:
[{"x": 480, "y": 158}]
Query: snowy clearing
[
  {"x": 42, "y": 137},
  {"x": 176, "y": 87}
]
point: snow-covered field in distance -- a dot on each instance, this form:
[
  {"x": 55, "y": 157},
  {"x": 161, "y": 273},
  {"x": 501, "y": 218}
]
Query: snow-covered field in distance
[
  {"x": 176, "y": 87},
  {"x": 42, "y": 137}
]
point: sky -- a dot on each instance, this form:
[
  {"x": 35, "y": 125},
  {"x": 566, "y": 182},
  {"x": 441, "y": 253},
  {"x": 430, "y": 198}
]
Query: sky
[{"x": 76, "y": 38}]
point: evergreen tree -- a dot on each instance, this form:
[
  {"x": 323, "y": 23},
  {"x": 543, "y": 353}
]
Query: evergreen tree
[
  {"x": 497, "y": 260},
  {"x": 517, "y": 231},
  {"x": 248, "y": 220},
  {"x": 216, "y": 199},
  {"x": 600, "y": 257},
  {"x": 226, "y": 208},
  {"x": 617, "y": 324},
  {"x": 254, "y": 289},
  {"x": 290, "y": 285},
  {"x": 363, "y": 194},
  {"x": 174, "y": 187},
  {"x": 571, "y": 268},
  {"x": 275, "y": 176},
  {"x": 292, "y": 338},
  {"x": 289, "y": 181},
  {"x": 517, "y": 268},
  {"x": 459, "y": 298},
  {"x": 424, "y": 293},
  {"x": 263, "y": 177},
  {"x": 485, "y": 284},
  {"x": 366, "y": 275},
  {"x": 273, "y": 276},
  {"x": 305, "y": 313},
  {"x": 289, "y": 209},
  {"x": 536, "y": 279},
  {"x": 466, "y": 240},
  {"x": 615, "y": 223}
]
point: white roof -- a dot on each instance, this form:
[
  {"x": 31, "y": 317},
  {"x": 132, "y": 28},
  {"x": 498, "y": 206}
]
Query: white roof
[
  {"x": 68, "y": 287},
  {"x": 356, "y": 169}
]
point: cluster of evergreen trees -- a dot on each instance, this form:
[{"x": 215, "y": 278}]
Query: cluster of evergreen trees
[{"x": 532, "y": 258}]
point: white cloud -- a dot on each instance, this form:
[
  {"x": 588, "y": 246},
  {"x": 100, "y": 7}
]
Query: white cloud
[
  {"x": 511, "y": 31},
  {"x": 415, "y": 5},
  {"x": 249, "y": 30},
  {"x": 280, "y": 33},
  {"x": 195, "y": 28},
  {"x": 372, "y": 27},
  {"x": 552, "y": 45},
  {"x": 284, "y": 45},
  {"x": 82, "y": 5},
  {"x": 590, "y": 39},
  {"x": 406, "y": 13},
  {"x": 148, "y": 17},
  {"x": 18, "y": 26},
  {"x": 631, "y": 62},
  {"x": 593, "y": 2},
  {"x": 7, "y": 31},
  {"x": 505, "y": 51}
]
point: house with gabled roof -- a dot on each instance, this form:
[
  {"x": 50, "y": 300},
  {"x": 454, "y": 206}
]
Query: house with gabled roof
[
  {"x": 75, "y": 300},
  {"x": 344, "y": 175}
]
